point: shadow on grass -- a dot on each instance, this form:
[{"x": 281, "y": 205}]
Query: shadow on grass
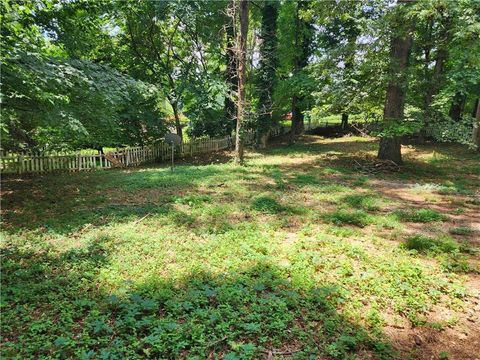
[
  {"x": 54, "y": 305},
  {"x": 65, "y": 203}
]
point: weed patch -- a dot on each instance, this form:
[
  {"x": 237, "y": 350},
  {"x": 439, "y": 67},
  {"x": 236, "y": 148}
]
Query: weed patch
[
  {"x": 345, "y": 217},
  {"x": 421, "y": 215},
  {"x": 424, "y": 244},
  {"x": 461, "y": 230},
  {"x": 365, "y": 202},
  {"x": 267, "y": 205}
]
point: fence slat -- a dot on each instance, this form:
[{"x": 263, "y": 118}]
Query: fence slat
[{"x": 129, "y": 156}]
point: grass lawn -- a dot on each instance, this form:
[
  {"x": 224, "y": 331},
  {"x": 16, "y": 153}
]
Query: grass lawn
[{"x": 298, "y": 254}]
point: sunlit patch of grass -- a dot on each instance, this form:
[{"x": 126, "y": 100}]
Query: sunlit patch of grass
[
  {"x": 342, "y": 231},
  {"x": 389, "y": 221},
  {"x": 362, "y": 201},
  {"x": 360, "y": 181},
  {"x": 454, "y": 189}
]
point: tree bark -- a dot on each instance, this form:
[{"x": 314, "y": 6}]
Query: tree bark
[
  {"x": 475, "y": 107},
  {"x": 435, "y": 82},
  {"x": 390, "y": 149},
  {"x": 231, "y": 78},
  {"x": 178, "y": 125},
  {"x": 300, "y": 60},
  {"x": 298, "y": 124},
  {"x": 476, "y": 128},
  {"x": 457, "y": 106},
  {"x": 344, "y": 121},
  {"x": 267, "y": 71},
  {"x": 349, "y": 65},
  {"x": 437, "y": 78},
  {"x": 242, "y": 62},
  {"x": 401, "y": 43},
  {"x": 433, "y": 89}
]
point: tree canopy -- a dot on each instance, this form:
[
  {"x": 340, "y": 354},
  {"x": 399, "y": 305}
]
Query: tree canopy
[{"x": 86, "y": 74}]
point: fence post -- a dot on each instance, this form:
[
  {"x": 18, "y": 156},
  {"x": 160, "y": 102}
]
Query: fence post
[
  {"x": 79, "y": 165},
  {"x": 20, "y": 164}
]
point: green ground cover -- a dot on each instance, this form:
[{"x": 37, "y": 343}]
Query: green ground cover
[{"x": 296, "y": 254}]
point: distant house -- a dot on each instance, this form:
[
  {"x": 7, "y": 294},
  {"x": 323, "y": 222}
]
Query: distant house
[{"x": 287, "y": 116}]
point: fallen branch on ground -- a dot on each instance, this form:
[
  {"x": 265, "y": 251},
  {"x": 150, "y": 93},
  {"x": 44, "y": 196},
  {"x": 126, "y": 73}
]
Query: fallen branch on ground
[
  {"x": 277, "y": 352},
  {"x": 140, "y": 220},
  {"x": 376, "y": 165}
]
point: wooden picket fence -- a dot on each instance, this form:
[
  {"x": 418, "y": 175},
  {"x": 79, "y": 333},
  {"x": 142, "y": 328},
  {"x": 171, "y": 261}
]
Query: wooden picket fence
[{"x": 129, "y": 156}]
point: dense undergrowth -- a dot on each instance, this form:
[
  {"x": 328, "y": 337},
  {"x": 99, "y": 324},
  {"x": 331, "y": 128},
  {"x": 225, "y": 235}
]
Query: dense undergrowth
[{"x": 295, "y": 254}]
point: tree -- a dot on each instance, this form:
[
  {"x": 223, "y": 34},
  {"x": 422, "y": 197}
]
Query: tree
[
  {"x": 161, "y": 47},
  {"x": 53, "y": 102},
  {"x": 302, "y": 46},
  {"x": 476, "y": 128},
  {"x": 231, "y": 78},
  {"x": 341, "y": 26},
  {"x": 241, "y": 74},
  {"x": 266, "y": 75},
  {"x": 401, "y": 43}
]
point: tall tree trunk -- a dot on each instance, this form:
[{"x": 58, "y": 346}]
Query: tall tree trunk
[
  {"x": 475, "y": 107},
  {"x": 344, "y": 121},
  {"x": 267, "y": 71},
  {"x": 435, "y": 82},
  {"x": 434, "y": 86},
  {"x": 457, "y": 106},
  {"x": 178, "y": 125},
  {"x": 437, "y": 78},
  {"x": 349, "y": 64},
  {"x": 476, "y": 128},
  {"x": 401, "y": 43},
  {"x": 230, "y": 109},
  {"x": 242, "y": 62},
  {"x": 297, "y": 119},
  {"x": 300, "y": 60}
]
